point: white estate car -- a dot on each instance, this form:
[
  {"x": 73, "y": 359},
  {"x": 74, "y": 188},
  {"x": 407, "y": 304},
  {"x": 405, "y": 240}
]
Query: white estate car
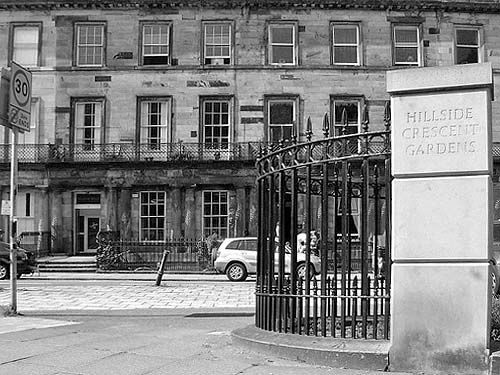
[{"x": 237, "y": 258}]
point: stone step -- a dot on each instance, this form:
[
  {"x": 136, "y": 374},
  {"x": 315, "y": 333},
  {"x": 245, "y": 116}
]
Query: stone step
[
  {"x": 66, "y": 266},
  {"x": 370, "y": 355},
  {"x": 65, "y": 263},
  {"x": 61, "y": 265},
  {"x": 68, "y": 270}
]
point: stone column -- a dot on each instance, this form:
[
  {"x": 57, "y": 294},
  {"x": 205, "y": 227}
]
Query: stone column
[
  {"x": 189, "y": 215},
  {"x": 109, "y": 209},
  {"x": 124, "y": 213},
  {"x": 253, "y": 219},
  {"x": 44, "y": 214},
  {"x": 441, "y": 218},
  {"x": 176, "y": 212},
  {"x": 241, "y": 203},
  {"x": 56, "y": 220}
]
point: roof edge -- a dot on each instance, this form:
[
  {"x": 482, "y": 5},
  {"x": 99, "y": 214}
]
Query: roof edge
[{"x": 485, "y": 6}]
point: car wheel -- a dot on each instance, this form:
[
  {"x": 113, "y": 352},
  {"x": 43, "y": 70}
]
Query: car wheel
[
  {"x": 236, "y": 272},
  {"x": 4, "y": 271},
  {"x": 301, "y": 271}
]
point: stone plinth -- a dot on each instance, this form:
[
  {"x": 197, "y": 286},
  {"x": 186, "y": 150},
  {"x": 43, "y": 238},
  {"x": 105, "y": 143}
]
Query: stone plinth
[{"x": 441, "y": 219}]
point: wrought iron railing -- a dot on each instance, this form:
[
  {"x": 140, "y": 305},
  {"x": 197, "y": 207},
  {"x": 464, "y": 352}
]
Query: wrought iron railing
[
  {"x": 37, "y": 242},
  {"x": 183, "y": 255},
  {"x": 133, "y": 152},
  {"x": 323, "y": 265}
]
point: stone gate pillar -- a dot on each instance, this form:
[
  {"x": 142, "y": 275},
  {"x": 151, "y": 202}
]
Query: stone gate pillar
[{"x": 441, "y": 218}]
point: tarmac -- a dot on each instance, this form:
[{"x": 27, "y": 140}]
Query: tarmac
[{"x": 65, "y": 338}]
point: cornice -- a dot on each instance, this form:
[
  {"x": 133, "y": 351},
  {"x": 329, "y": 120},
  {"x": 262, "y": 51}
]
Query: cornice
[{"x": 484, "y": 6}]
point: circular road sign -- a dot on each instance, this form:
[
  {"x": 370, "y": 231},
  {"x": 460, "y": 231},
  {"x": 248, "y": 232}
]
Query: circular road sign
[{"x": 21, "y": 88}]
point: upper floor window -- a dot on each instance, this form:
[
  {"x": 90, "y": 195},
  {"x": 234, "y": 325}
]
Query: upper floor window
[
  {"x": 346, "y": 44},
  {"x": 156, "y": 44},
  {"x": 467, "y": 45},
  {"x": 282, "y": 44},
  {"x": 281, "y": 118},
  {"x": 90, "y": 41},
  {"x": 216, "y": 122},
  {"x": 25, "y": 44},
  {"x": 88, "y": 123},
  {"x": 406, "y": 45},
  {"x": 155, "y": 122},
  {"x": 217, "y": 46}
]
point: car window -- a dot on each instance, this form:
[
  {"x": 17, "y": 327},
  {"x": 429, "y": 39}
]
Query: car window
[
  {"x": 243, "y": 245},
  {"x": 250, "y": 245},
  {"x": 233, "y": 245}
]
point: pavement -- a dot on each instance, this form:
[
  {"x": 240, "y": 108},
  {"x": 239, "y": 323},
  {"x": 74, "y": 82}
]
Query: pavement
[
  {"x": 126, "y": 291},
  {"x": 106, "y": 324}
]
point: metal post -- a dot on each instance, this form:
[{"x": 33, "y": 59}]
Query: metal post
[
  {"x": 13, "y": 223},
  {"x": 159, "y": 276}
]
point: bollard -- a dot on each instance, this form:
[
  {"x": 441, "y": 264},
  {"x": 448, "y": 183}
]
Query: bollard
[{"x": 159, "y": 276}]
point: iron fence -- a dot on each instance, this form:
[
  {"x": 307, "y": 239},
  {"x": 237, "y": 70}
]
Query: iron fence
[
  {"x": 133, "y": 152},
  {"x": 37, "y": 242},
  {"x": 328, "y": 198},
  {"x": 184, "y": 255}
]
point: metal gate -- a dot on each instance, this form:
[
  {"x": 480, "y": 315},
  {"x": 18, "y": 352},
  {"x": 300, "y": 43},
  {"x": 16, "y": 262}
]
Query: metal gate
[{"x": 323, "y": 265}]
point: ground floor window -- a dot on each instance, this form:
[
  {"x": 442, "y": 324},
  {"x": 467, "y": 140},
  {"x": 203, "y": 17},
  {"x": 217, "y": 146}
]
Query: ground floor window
[
  {"x": 152, "y": 220},
  {"x": 215, "y": 213}
]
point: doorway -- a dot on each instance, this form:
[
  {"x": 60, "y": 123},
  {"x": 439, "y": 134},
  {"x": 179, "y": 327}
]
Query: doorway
[
  {"x": 87, "y": 227},
  {"x": 87, "y": 221}
]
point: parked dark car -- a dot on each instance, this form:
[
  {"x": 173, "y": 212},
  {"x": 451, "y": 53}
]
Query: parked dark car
[{"x": 25, "y": 261}]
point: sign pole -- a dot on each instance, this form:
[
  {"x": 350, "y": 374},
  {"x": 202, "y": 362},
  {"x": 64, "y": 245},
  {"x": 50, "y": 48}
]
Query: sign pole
[
  {"x": 13, "y": 222},
  {"x": 19, "y": 116}
]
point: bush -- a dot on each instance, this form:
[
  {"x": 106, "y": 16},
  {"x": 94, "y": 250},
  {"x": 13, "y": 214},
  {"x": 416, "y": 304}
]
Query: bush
[{"x": 495, "y": 318}]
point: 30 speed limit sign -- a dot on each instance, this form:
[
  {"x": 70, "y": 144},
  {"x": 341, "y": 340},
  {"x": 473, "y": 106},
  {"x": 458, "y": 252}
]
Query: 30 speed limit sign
[{"x": 20, "y": 98}]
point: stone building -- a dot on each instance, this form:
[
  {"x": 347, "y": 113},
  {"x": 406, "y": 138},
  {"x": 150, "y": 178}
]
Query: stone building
[{"x": 148, "y": 115}]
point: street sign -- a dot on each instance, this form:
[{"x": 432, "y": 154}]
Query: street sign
[
  {"x": 20, "y": 98},
  {"x": 5, "y": 210}
]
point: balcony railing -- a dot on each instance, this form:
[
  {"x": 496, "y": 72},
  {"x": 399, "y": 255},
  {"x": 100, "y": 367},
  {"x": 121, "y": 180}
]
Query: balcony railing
[{"x": 133, "y": 152}]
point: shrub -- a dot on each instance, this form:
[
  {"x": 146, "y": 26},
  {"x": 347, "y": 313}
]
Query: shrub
[{"x": 495, "y": 318}]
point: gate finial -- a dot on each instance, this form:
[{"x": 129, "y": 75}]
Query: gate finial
[
  {"x": 387, "y": 115},
  {"x": 326, "y": 126},
  {"x": 294, "y": 134},
  {"x": 366, "y": 119},
  {"x": 309, "y": 131},
  {"x": 344, "y": 121}
]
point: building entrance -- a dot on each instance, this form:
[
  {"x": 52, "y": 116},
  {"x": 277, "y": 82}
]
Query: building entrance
[
  {"x": 87, "y": 225},
  {"x": 87, "y": 221}
]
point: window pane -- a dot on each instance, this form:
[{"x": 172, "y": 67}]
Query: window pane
[
  {"x": 282, "y": 54},
  {"x": 155, "y": 44},
  {"x": 345, "y": 35},
  {"x": 345, "y": 55},
  {"x": 406, "y": 55},
  {"x": 215, "y": 218},
  {"x": 90, "y": 45},
  {"x": 467, "y": 37},
  {"x": 351, "y": 109},
  {"x": 281, "y": 113},
  {"x": 282, "y": 35},
  {"x": 25, "y": 45},
  {"x": 467, "y": 55},
  {"x": 406, "y": 35}
]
